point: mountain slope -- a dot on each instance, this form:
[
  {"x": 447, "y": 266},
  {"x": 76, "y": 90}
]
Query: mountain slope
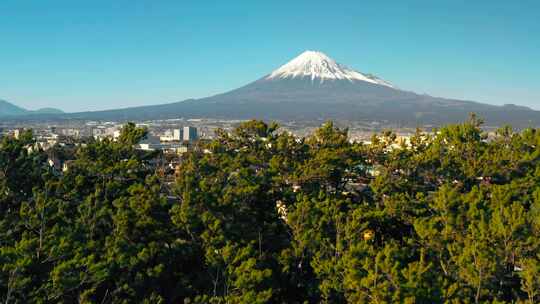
[
  {"x": 313, "y": 86},
  {"x": 48, "y": 111},
  {"x": 8, "y": 109}
]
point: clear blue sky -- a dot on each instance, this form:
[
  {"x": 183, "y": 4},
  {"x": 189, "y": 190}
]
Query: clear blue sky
[{"x": 88, "y": 55}]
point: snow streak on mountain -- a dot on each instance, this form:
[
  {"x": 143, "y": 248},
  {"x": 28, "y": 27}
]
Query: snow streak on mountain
[{"x": 318, "y": 66}]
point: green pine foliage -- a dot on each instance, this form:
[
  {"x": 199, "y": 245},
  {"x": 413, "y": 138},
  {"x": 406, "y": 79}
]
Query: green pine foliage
[{"x": 259, "y": 216}]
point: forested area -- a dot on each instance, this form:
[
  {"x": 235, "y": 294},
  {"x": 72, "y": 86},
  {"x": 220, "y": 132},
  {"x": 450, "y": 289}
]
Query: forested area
[{"x": 259, "y": 216}]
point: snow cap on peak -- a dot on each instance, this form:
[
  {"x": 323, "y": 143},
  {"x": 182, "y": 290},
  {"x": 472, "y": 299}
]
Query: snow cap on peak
[
  {"x": 318, "y": 66},
  {"x": 314, "y": 56}
]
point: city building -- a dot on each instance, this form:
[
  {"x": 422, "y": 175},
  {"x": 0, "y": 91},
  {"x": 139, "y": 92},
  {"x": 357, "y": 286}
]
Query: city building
[
  {"x": 190, "y": 134},
  {"x": 177, "y": 134},
  {"x": 172, "y": 135},
  {"x": 150, "y": 143}
]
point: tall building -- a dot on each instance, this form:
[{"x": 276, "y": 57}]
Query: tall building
[
  {"x": 177, "y": 134},
  {"x": 190, "y": 133}
]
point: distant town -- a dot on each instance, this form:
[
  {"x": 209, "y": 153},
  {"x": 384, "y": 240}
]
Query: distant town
[{"x": 176, "y": 135}]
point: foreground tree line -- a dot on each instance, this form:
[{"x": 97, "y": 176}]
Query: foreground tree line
[{"x": 259, "y": 216}]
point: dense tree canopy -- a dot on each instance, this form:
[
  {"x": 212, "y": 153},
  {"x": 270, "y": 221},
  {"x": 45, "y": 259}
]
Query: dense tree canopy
[{"x": 260, "y": 216}]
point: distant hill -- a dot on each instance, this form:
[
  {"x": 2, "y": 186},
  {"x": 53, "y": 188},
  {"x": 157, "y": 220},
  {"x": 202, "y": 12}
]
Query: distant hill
[
  {"x": 8, "y": 109},
  {"x": 313, "y": 86},
  {"x": 48, "y": 111}
]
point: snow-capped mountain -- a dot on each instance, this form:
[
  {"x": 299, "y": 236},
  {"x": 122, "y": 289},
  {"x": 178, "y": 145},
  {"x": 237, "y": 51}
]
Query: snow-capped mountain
[
  {"x": 317, "y": 66},
  {"x": 314, "y": 87}
]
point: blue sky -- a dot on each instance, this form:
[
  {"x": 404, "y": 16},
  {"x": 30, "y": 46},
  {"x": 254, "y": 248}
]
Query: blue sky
[{"x": 89, "y": 55}]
